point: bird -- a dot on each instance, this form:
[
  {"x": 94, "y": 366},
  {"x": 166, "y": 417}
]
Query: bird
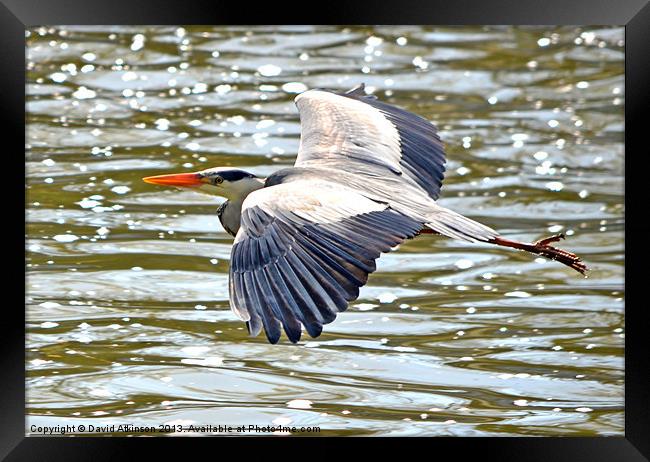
[{"x": 366, "y": 178}]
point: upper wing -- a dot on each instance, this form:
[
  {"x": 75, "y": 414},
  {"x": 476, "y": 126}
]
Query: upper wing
[
  {"x": 303, "y": 251},
  {"x": 357, "y": 128}
]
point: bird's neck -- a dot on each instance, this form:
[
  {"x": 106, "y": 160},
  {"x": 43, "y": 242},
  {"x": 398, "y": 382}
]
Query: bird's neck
[
  {"x": 230, "y": 211},
  {"x": 229, "y": 214}
]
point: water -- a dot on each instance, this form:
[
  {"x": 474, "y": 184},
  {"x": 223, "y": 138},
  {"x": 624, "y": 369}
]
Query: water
[{"x": 128, "y": 319}]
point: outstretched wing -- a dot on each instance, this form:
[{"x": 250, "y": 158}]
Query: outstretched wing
[
  {"x": 343, "y": 129},
  {"x": 303, "y": 251}
]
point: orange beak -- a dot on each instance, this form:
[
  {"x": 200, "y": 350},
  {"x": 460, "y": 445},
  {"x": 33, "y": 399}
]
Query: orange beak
[{"x": 176, "y": 179}]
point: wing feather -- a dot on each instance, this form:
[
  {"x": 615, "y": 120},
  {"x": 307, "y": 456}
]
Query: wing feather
[
  {"x": 298, "y": 261},
  {"x": 358, "y": 129},
  {"x": 327, "y": 304},
  {"x": 313, "y": 316}
]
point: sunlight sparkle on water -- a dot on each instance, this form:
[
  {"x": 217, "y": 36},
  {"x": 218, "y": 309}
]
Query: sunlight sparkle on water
[
  {"x": 374, "y": 41},
  {"x": 518, "y": 294},
  {"x": 419, "y": 62},
  {"x": 58, "y": 77},
  {"x": 299, "y": 404},
  {"x": 65, "y": 238},
  {"x": 138, "y": 42},
  {"x": 162, "y": 124},
  {"x": 87, "y": 203},
  {"x": 84, "y": 93},
  {"x": 365, "y": 306},
  {"x": 120, "y": 189},
  {"x": 294, "y": 87},
  {"x": 386, "y": 297},
  {"x": 269, "y": 70},
  {"x": 464, "y": 263},
  {"x": 554, "y": 186}
]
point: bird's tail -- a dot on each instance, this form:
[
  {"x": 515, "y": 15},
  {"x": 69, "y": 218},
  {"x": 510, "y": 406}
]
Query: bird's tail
[{"x": 456, "y": 226}]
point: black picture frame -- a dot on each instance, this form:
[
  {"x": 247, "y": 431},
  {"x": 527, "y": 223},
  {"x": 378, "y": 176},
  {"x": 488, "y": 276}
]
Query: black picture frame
[{"x": 17, "y": 15}]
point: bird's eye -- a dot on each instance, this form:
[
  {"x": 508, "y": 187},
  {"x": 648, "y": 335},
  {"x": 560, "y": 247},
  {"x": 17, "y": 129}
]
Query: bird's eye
[{"x": 218, "y": 180}]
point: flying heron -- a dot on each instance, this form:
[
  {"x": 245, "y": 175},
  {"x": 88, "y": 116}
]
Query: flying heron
[{"x": 366, "y": 178}]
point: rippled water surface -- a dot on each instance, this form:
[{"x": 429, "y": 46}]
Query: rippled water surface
[{"x": 128, "y": 318}]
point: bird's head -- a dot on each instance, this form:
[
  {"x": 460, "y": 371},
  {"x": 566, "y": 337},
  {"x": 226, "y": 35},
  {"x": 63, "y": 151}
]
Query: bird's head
[{"x": 227, "y": 182}]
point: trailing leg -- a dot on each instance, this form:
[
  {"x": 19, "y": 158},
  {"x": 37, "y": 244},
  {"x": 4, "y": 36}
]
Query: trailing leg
[
  {"x": 540, "y": 247},
  {"x": 543, "y": 248}
]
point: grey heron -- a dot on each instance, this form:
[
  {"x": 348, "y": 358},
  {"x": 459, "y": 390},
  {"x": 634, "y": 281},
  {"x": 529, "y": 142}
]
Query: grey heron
[{"x": 366, "y": 178}]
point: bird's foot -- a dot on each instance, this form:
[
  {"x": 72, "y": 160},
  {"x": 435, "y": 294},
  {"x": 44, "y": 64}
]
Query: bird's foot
[
  {"x": 563, "y": 256},
  {"x": 555, "y": 238},
  {"x": 543, "y": 248}
]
